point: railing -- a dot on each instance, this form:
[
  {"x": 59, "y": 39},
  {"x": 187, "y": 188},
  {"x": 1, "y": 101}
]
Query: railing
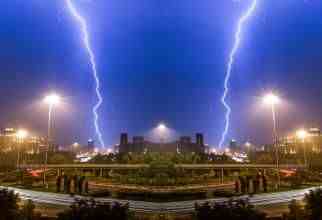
[{"x": 184, "y": 166}]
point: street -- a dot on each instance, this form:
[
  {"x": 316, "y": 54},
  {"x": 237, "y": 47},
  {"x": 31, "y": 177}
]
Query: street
[{"x": 153, "y": 207}]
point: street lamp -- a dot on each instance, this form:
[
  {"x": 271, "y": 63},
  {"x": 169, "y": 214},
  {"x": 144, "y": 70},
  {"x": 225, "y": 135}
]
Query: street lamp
[
  {"x": 162, "y": 127},
  {"x": 248, "y": 146},
  {"x": 302, "y": 135},
  {"x": 20, "y": 135},
  {"x": 51, "y": 100},
  {"x": 161, "y": 131},
  {"x": 75, "y": 147},
  {"x": 273, "y": 100}
]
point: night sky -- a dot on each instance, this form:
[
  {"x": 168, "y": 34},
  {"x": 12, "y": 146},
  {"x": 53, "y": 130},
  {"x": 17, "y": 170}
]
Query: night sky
[{"x": 160, "y": 61}]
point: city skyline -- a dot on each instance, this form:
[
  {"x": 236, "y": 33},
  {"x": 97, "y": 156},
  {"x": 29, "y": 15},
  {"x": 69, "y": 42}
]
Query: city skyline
[{"x": 161, "y": 66}]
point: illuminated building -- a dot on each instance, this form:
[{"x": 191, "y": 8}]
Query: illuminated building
[
  {"x": 9, "y": 142},
  {"x": 292, "y": 144},
  {"x": 140, "y": 145}
]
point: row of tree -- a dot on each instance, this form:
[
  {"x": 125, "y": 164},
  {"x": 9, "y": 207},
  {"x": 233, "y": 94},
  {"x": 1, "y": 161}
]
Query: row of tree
[
  {"x": 72, "y": 184},
  {"x": 80, "y": 210},
  {"x": 10, "y": 209},
  {"x": 232, "y": 210},
  {"x": 312, "y": 210},
  {"x": 251, "y": 184},
  {"x": 92, "y": 210},
  {"x": 150, "y": 157},
  {"x": 243, "y": 210},
  {"x": 161, "y": 173}
]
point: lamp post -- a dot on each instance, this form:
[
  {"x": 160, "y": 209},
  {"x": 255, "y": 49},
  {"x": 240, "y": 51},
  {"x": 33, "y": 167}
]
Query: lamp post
[
  {"x": 51, "y": 100},
  {"x": 302, "y": 135},
  {"x": 20, "y": 135},
  {"x": 248, "y": 146},
  {"x": 75, "y": 147},
  {"x": 272, "y": 101}
]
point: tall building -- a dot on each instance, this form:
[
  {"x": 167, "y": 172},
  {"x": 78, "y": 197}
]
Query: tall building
[
  {"x": 124, "y": 139},
  {"x": 140, "y": 145},
  {"x": 199, "y": 139},
  {"x": 233, "y": 145},
  {"x": 90, "y": 144}
]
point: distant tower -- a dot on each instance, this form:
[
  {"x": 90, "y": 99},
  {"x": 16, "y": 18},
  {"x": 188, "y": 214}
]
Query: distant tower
[
  {"x": 233, "y": 145},
  {"x": 199, "y": 139},
  {"x": 91, "y": 144},
  {"x": 124, "y": 139}
]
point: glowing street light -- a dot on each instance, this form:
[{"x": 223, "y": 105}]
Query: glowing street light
[
  {"x": 248, "y": 146},
  {"x": 213, "y": 151},
  {"x": 302, "y": 135},
  {"x": 51, "y": 100},
  {"x": 162, "y": 127},
  {"x": 272, "y": 101},
  {"x": 21, "y": 134},
  {"x": 75, "y": 146}
]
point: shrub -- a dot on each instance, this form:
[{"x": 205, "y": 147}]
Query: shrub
[{"x": 232, "y": 210}]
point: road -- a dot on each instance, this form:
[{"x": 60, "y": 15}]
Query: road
[{"x": 152, "y": 207}]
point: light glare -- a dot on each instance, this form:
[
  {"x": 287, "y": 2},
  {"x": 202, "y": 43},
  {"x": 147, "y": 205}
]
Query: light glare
[
  {"x": 162, "y": 127},
  {"x": 21, "y": 134},
  {"x": 301, "y": 134},
  {"x": 52, "y": 99},
  {"x": 271, "y": 99}
]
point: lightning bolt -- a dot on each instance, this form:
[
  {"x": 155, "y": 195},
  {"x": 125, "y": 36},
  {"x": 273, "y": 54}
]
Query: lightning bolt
[
  {"x": 83, "y": 25},
  {"x": 242, "y": 20}
]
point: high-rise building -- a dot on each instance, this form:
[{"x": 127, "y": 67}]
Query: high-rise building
[
  {"x": 124, "y": 139},
  {"x": 233, "y": 145},
  {"x": 199, "y": 139},
  {"x": 91, "y": 144}
]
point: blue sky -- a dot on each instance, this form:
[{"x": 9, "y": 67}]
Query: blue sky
[{"x": 160, "y": 61}]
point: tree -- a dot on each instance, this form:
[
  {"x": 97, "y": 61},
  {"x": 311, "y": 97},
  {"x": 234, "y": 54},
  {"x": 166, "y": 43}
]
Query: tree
[
  {"x": 313, "y": 206},
  {"x": 10, "y": 209},
  {"x": 312, "y": 209},
  {"x": 265, "y": 183},
  {"x": 242, "y": 184},
  {"x": 28, "y": 211},
  {"x": 9, "y": 205},
  {"x": 232, "y": 210},
  {"x": 296, "y": 212},
  {"x": 90, "y": 209},
  {"x": 8, "y": 161}
]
